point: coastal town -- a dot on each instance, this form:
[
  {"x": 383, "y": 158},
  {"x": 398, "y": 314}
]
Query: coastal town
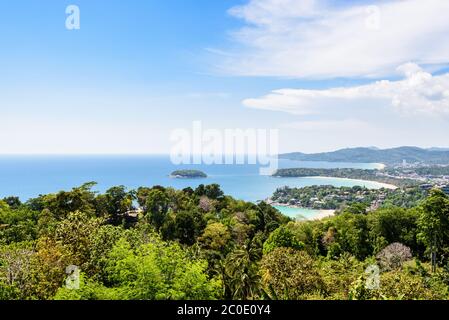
[
  {"x": 426, "y": 176},
  {"x": 413, "y": 183}
]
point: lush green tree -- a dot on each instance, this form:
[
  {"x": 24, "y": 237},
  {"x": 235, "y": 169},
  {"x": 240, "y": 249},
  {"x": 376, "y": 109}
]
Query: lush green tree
[
  {"x": 352, "y": 234},
  {"x": 242, "y": 280},
  {"x": 46, "y": 224},
  {"x": 339, "y": 274},
  {"x": 188, "y": 225},
  {"x": 241, "y": 233},
  {"x": 156, "y": 207},
  {"x": 313, "y": 235},
  {"x": 17, "y": 225},
  {"x": 13, "y": 202},
  {"x": 101, "y": 242},
  {"x": 158, "y": 270},
  {"x": 118, "y": 201},
  {"x": 400, "y": 285},
  {"x": 141, "y": 196},
  {"x": 215, "y": 236},
  {"x": 204, "y": 245},
  {"x": 211, "y": 191},
  {"x": 8, "y": 292},
  {"x": 356, "y": 208},
  {"x": 433, "y": 225},
  {"x": 200, "y": 190},
  {"x": 290, "y": 274},
  {"x": 88, "y": 290},
  {"x": 394, "y": 225},
  {"x": 62, "y": 203},
  {"x": 267, "y": 218},
  {"x": 189, "y": 191},
  {"x": 282, "y": 238},
  {"x": 4, "y": 205},
  {"x": 49, "y": 266},
  {"x": 75, "y": 234}
]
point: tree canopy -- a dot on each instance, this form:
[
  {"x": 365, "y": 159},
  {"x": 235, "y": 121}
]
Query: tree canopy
[{"x": 162, "y": 243}]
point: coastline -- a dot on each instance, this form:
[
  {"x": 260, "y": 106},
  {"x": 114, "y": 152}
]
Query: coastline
[
  {"x": 184, "y": 177},
  {"x": 318, "y": 213},
  {"x": 380, "y": 184},
  {"x": 324, "y": 213}
]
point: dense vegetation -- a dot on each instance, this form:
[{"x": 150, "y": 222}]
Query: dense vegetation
[
  {"x": 337, "y": 198},
  {"x": 435, "y": 171},
  {"x": 392, "y": 156},
  {"x": 188, "y": 174},
  {"x": 348, "y": 173},
  {"x": 201, "y": 244}
]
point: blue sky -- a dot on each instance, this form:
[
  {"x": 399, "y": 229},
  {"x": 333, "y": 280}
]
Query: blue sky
[{"x": 137, "y": 70}]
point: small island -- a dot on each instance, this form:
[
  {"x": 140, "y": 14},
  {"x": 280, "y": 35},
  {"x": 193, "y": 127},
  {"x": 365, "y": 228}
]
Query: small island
[{"x": 188, "y": 174}]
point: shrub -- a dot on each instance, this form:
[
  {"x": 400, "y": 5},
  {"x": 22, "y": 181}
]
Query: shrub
[
  {"x": 393, "y": 256},
  {"x": 281, "y": 238}
]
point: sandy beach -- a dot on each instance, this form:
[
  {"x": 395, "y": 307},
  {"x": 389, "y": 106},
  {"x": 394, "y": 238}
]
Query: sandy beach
[
  {"x": 362, "y": 182},
  {"x": 323, "y": 214},
  {"x": 305, "y": 213}
]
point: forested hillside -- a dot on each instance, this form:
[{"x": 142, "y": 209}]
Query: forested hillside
[
  {"x": 372, "y": 155},
  {"x": 201, "y": 244}
]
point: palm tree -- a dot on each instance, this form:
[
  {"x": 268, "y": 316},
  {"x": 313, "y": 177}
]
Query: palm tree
[{"x": 241, "y": 270}]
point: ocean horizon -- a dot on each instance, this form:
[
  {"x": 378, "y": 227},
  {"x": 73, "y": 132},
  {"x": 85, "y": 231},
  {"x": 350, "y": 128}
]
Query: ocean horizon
[{"x": 28, "y": 176}]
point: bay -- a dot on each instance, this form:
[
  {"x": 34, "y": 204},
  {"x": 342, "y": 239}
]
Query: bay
[{"x": 29, "y": 176}]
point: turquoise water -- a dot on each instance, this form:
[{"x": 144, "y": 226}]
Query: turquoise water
[
  {"x": 298, "y": 213},
  {"x": 29, "y": 176}
]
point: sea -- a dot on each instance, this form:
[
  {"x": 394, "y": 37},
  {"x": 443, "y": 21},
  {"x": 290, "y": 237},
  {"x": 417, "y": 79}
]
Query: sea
[{"x": 30, "y": 176}]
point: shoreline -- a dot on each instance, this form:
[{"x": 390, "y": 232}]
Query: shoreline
[
  {"x": 320, "y": 213},
  {"x": 382, "y": 184},
  {"x": 325, "y": 213},
  {"x": 184, "y": 177}
]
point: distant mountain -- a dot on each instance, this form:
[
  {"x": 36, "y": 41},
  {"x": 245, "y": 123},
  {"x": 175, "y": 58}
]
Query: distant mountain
[
  {"x": 370, "y": 155},
  {"x": 438, "y": 149}
]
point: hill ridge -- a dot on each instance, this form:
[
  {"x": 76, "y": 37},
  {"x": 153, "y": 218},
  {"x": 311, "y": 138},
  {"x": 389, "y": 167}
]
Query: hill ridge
[{"x": 391, "y": 156}]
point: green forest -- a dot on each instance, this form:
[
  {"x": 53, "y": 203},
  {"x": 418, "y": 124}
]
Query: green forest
[{"x": 165, "y": 244}]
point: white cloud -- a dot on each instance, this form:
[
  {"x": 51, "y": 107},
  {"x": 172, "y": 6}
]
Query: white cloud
[
  {"x": 314, "y": 39},
  {"x": 418, "y": 93}
]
